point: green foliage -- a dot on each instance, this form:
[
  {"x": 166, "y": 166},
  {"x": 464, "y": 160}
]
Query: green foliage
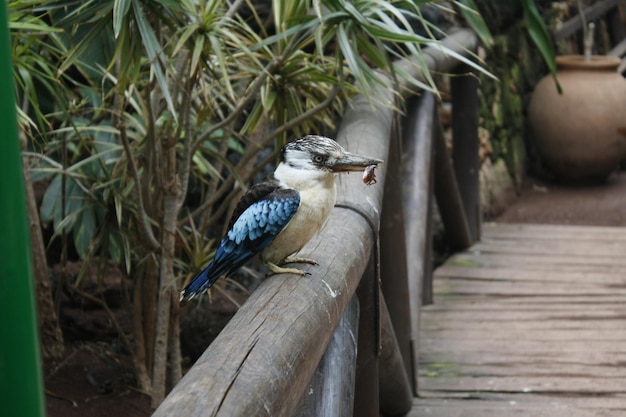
[
  {"x": 36, "y": 47},
  {"x": 84, "y": 198},
  {"x": 469, "y": 11},
  {"x": 539, "y": 35}
]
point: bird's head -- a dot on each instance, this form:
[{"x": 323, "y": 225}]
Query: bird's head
[{"x": 321, "y": 154}]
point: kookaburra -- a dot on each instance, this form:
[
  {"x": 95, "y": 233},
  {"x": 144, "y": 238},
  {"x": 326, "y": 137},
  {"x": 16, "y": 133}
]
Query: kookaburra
[{"x": 277, "y": 217}]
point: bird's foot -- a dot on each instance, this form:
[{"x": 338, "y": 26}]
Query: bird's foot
[
  {"x": 275, "y": 269},
  {"x": 293, "y": 260}
]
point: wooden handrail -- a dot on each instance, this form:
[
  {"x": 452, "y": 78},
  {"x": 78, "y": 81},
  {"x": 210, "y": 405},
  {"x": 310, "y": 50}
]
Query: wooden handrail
[
  {"x": 331, "y": 390},
  {"x": 262, "y": 362},
  {"x": 573, "y": 25}
]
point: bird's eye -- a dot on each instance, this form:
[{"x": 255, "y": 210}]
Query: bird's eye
[{"x": 318, "y": 159}]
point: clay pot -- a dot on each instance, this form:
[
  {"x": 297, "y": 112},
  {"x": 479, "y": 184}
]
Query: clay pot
[{"x": 581, "y": 134}]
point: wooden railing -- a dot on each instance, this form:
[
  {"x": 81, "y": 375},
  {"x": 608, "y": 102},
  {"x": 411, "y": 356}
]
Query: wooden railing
[
  {"x": 610, "y": 12},
  {"x": 342, "y": 341}
]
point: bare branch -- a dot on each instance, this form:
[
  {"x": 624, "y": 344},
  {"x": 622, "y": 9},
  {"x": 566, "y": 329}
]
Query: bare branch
[
  {"x": 233, "y": 9},
  {"x": 144, "y": 221}
]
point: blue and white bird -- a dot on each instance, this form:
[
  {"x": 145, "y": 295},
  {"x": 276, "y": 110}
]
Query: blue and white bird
[{"x": 278, "y": 216}]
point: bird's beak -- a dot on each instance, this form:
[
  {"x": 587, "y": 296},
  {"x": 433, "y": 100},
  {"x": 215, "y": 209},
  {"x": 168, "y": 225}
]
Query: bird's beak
[{"x": 352, "y": 162}]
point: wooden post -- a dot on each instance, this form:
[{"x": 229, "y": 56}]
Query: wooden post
[
  {"x": 447, "y": 194},
  {"x": 418, "y": 198},
  {"x": 331, "y": 391},
  {"x": 366, "y": 395},
  {"x": 464, "y": 86},
  {"x": 616, "y": 26},
  {"x": 417, "y": 179},
  {"x": 396, "y": 393},
  {"x": 394, "y": 279}
]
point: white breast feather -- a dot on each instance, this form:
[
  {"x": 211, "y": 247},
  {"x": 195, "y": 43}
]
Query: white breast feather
[{"x": 317, "y": 198}]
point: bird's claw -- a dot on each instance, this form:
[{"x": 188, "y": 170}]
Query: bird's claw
[
  {"x": 295, "y": 260},
  {"x": 275, "y": 269}
]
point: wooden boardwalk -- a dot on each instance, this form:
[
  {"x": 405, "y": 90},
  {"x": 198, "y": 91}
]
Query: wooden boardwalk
[{"x": 530, "y": 321}]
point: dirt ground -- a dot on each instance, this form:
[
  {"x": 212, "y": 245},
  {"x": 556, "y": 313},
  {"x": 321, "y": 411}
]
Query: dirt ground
[
  {"x": 553, "y": 203},
  {"x": 93, "y": 381},
  {"x": 95, "y": 378}
]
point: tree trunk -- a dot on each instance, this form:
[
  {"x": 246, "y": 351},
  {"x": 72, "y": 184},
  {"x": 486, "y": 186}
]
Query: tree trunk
[
  {"x": 143, "y": 322},
  {"x": 166, "y": 285},
  {"x": 49, "y": 329}
]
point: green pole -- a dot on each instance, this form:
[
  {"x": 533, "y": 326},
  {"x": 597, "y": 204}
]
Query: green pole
[{"x": 21, "y": 387}]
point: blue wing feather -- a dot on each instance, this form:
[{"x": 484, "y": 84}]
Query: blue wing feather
[{"x": 251, "y": 232}]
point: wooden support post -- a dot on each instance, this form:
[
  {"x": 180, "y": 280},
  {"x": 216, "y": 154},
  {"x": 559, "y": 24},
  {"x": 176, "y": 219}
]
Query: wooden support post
[
  {"x": 394, "y": 279},
  {"x": 366, "y": 396},
  {"x": 464, "y": 86},
  {"x": 331, "y": 390},
  {"x": 615, "y": 26},
  {"x": 396, "y": 394},
  {"x": 447, "y": 194},
  {"x": 418, "y": 199},
  {"x": 417, "y": 180}
]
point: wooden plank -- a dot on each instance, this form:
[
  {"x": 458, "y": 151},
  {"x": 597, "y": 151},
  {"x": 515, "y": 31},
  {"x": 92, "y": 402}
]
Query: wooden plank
[
  {"x": 563, "y": 248},
  {"x": 581, "y": 358},
  {"x": 584, "y": 402},
  {"x": 579, "y": 301},
  {"x": 495, "y": 307},
  {"x": 530, "y": 310},
  {"x": 523, "y": 346},
  {"x": 553, "y": 232},
  {"x": 616, "y": 313},
  {"x": 484, "y": 405},
  {"x": 582, "y": 300},
  {"x": 460, "y": 324},
  {"x": 552, "y": 384},
  {"x": 525, "y": 369},
  {"x": 594, "y": 277},
  {"x": 451, "y": 286},
  {"x": 610, "y": 263}
]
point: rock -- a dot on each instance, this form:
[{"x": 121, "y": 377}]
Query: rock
[{"x": 497, "y": 190}]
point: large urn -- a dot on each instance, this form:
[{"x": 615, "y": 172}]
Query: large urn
[{"x": 581, "y": 134}]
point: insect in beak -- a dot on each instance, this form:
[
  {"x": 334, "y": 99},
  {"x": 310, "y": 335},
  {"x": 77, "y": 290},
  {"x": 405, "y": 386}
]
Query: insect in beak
[{"x": 369, "y": 175}]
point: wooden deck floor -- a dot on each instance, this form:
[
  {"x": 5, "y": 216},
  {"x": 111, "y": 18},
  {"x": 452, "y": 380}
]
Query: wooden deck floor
[{"x": 531, "y": 321}]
